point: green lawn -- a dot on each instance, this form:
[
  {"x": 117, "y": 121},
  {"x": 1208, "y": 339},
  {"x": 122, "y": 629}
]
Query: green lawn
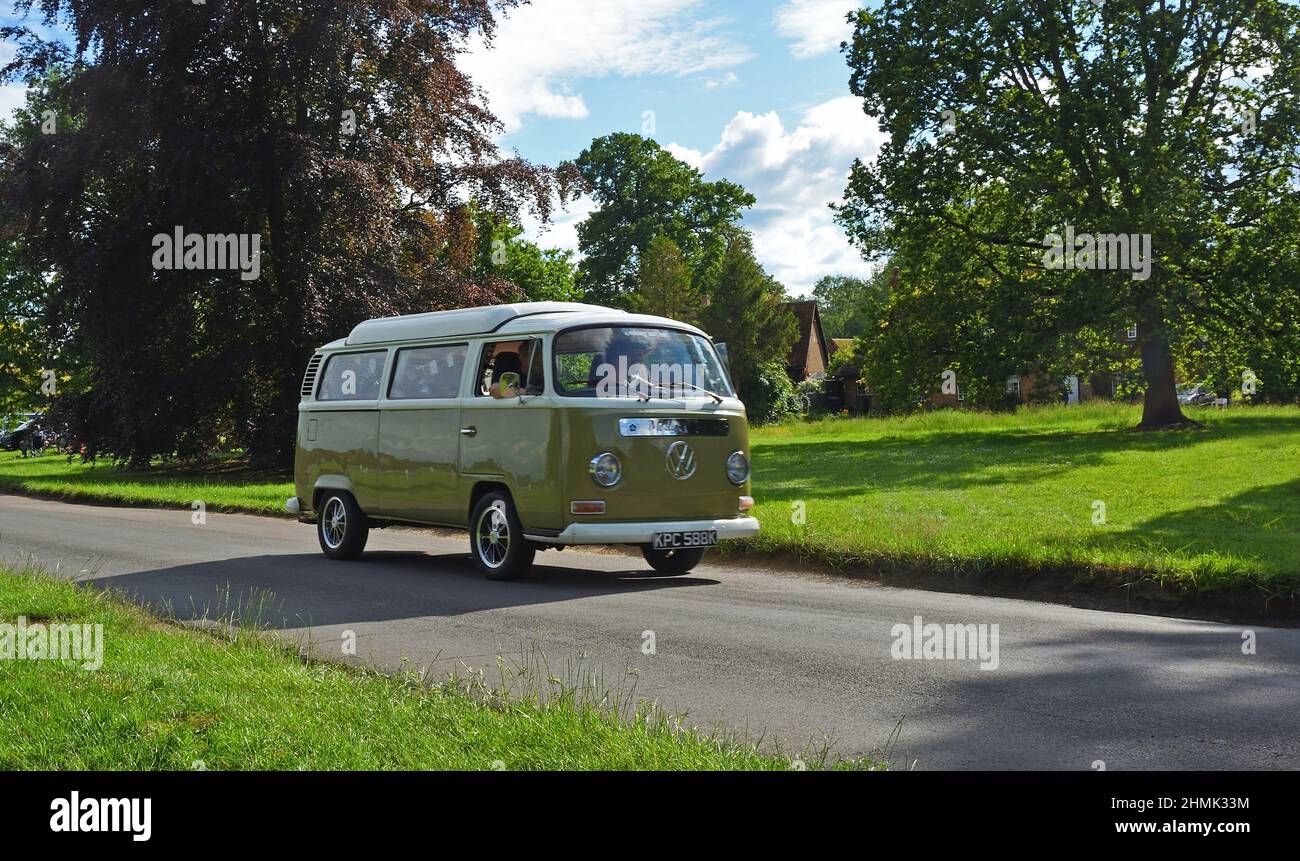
[
  {"x": 950, "y": 493},
  {"x": 220, "y": 488},
  {"x": 168, "y": 697},
  {"x": 967, "y": 493}
]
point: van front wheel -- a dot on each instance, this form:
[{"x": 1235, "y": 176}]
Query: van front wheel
[
  {"x": 497, "y": 539},
  {"x": 341, "y": 526},
  {"x": 672, "y": 561}
]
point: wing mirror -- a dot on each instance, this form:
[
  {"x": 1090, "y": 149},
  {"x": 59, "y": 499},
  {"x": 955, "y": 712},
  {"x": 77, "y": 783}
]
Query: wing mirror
[{"x": 508, "y": 386}]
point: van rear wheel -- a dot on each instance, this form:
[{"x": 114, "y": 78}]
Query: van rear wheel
[
  {"x": 341, "y": 526},
  {"x": 497, "y": 539},
  {"x": 672, "y": 561}
]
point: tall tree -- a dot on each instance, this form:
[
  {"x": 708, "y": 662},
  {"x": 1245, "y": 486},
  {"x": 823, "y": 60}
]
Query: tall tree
[
  {"x": 664, "y": 283},
  {"x": 1176, "y": 121},
  {"x": 850, "y": 306},
  {"x": 341, "y": 135},
  {"x": 36, "y": 362},
  {"x": 745, "y": 312},
  {"x": 643, "y": 191},
  {"x": 540, "y": 274},
  {"x": 23, "y": 352}
]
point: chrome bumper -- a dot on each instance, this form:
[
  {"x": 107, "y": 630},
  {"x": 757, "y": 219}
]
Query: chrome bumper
[{"x": 596, "y": 532}]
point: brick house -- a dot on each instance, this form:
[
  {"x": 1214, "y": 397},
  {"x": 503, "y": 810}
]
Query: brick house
[{"x": 809, "y": 355}]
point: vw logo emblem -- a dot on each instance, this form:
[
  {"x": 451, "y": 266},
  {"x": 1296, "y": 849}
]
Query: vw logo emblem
[{"x": 680, "y": 460}]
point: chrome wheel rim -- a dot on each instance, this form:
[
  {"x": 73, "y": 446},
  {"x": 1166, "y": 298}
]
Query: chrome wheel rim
[
  {"x": 492, "y": 537},
  {"x": 334, "y": 523}
]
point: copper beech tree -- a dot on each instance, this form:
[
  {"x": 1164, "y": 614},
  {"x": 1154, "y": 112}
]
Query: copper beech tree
[{"x": 339, "y": 139}]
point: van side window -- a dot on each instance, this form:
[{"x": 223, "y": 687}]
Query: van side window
[
  {"x": 521, "y": 357},
  {"x": 428, "y": 372},
  {"x": 352, "y": 377}
]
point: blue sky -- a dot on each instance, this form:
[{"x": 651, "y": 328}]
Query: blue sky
[{"x": 756, "y": 92}]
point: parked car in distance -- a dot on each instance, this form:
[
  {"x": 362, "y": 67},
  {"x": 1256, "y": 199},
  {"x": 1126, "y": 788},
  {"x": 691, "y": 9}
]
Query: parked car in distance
[
  {"x": 28, "y": 434},
  {"x": 533, "y": 426},
  {"x": 1196, "y": 395}
]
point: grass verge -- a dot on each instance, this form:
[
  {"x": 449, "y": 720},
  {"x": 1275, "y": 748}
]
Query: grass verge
[
  {"x": 220, "y": 487},
  {"x": 1046, "y": 499},
  {"x": 1070, "y": 492},
  {"x": 173, "y": 698}
]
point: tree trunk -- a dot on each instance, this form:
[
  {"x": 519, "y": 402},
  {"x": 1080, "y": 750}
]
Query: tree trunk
[{"x": 1160, "y": 408}]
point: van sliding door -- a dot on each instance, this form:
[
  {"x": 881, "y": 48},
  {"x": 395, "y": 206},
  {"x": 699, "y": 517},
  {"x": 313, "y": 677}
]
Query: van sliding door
[{"x": 419, "y": 436}]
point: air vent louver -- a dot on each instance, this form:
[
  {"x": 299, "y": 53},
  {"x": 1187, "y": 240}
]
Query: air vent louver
[{"x": 309, "y": 379}]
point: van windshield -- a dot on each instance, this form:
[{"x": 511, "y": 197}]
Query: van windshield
[{"x": 636, "y": 361}]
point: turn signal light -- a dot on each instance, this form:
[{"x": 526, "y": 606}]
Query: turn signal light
[
  {"x": 746, "y": 503},
  {"x": 587, "y": 506}
]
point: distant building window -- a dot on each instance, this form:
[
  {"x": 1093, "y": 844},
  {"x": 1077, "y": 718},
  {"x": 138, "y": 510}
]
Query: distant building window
[
  {"x": 1132, "y": 333},
  {"x": 1013, "y": 386}
]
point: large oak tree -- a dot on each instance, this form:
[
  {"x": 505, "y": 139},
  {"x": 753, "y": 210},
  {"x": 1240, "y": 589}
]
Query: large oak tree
[
  {"x": 644, "y": 192},
  {"x": 1173, "y": 118}
]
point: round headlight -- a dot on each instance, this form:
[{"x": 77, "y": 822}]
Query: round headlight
[
  {"x": 738, "y": 468},
  {"x": 605, "y": 469}
]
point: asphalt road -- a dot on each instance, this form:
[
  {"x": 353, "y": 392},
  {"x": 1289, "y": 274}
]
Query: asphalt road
[{"x": 781, "y": 654}]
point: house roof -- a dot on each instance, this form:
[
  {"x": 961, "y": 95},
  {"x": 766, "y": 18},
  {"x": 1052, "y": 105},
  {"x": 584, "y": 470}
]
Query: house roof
[{"x": 807, "y": 315}]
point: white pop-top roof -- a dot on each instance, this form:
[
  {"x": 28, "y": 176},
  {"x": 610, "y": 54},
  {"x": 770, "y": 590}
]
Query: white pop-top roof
[{"x": 519, "y": 317}]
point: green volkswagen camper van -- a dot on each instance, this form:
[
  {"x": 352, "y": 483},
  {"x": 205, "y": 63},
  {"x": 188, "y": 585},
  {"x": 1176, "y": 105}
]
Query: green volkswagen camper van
[{"x": 534, "y": 426}]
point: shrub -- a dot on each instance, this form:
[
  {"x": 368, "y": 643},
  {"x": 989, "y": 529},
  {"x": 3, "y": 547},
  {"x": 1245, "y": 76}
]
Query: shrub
[{"x": 770, "y": 396}]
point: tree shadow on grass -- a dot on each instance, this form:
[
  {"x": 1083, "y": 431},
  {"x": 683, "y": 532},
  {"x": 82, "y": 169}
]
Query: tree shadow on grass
[
  {"x": 1258, "y": 529},
  {"x": 947, "y": 460}
]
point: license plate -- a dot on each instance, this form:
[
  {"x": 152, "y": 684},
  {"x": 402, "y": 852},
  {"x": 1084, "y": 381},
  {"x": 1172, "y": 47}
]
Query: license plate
[{"x": 683, "y": 540}]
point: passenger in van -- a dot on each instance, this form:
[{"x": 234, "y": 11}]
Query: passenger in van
[
  {"x": 502, "y": 364},
  {"x": 624, "y": 362}
]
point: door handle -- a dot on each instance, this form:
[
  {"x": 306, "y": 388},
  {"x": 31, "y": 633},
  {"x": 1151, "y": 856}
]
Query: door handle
[{"x": 469, "y": 431}]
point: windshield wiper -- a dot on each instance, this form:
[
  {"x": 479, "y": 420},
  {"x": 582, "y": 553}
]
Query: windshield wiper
[{"x": 717, "y": 398}]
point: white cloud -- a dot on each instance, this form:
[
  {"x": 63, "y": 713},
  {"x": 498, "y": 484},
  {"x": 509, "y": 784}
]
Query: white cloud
[
  {"x": 12, "y": 96},
  {"x": 727, "y": 80},
  {"x": 693, "y": 157},
  {"x": 562, "y": 230},
  {"x": 542, "y": 49},
  {"x": 794, "y": 174},
  {"x": 814, "y": 26}
]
